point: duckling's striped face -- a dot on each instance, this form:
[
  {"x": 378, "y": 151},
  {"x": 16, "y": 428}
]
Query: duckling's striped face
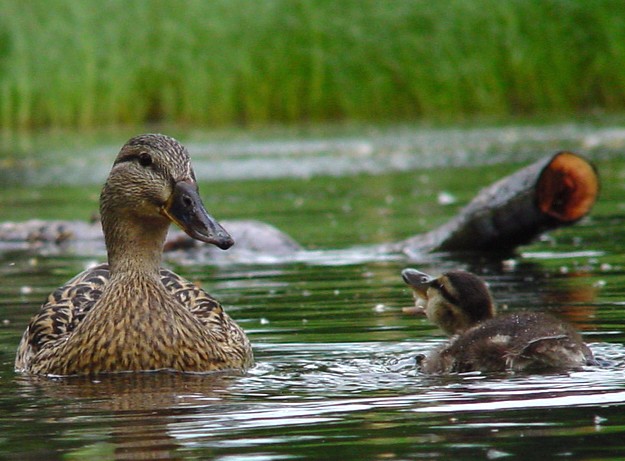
[
  {"x": 152, "y": 180},
  {"x": 455, "y": 301}
]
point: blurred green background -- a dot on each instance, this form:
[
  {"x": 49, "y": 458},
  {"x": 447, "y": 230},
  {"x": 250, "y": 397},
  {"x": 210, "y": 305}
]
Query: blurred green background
[{"x": 95, "y": 63}]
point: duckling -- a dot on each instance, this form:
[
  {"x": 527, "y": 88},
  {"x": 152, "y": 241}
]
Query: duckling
[
  {"x": 130, "y": 314},
  {"x": 460, "y": 303}
]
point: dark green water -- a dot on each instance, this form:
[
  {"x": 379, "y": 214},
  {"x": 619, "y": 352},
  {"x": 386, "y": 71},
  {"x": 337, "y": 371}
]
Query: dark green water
[{"x": 334, "y": 377}]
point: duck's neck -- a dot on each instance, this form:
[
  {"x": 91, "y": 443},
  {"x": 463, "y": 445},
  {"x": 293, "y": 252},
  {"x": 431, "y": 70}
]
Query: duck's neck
[{"x": 134, "y": 245}]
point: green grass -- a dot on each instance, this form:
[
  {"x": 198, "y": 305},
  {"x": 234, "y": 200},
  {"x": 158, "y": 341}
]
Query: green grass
[{"x": 67, "y": 63}]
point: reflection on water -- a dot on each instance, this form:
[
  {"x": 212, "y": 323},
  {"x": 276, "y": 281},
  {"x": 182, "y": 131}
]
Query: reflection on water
[
  {"x": 131, "y": 412},
  {"x": 335, "y": 375},
  {"x": 300, "y": 397},
  {"x": 335, "y": 371}
]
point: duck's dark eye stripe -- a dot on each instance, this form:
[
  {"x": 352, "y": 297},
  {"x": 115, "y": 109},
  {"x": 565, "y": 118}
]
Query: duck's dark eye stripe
[
  {"x": 127, "y": 158},
  {"x": 143, "y": 158},
  {"x": 445, "y": 292}
]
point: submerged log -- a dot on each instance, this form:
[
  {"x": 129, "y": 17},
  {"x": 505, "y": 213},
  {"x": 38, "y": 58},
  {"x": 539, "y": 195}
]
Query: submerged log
[
  {"x": 552, "y": 192},
  {"x": 251, "y": 236}
]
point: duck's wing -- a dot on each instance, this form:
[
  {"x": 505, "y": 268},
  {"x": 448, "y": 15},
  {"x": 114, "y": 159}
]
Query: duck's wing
[
  {"x": 557, "y": 351},
  {"x": 223, "y": 331},
  {"x": 190, "y": 295},
  {"x": 62, "y": 312},
  {"x": 203, "y": 306}
]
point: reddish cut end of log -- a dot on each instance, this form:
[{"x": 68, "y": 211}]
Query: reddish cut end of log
[{"x": 567, "y": 188}]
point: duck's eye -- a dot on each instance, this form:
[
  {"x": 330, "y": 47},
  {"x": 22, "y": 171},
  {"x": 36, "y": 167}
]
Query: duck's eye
[{"x": 145, "y": 159}]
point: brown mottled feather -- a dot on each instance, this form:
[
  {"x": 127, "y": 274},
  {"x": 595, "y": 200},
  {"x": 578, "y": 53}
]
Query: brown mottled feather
[{"x": 67, "y": 306}]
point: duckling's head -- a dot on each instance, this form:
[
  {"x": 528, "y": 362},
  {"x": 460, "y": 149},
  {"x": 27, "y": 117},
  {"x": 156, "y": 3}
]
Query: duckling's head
[
  {"x": 152, "y": 184},
  {"x": 454, "y": 301}
]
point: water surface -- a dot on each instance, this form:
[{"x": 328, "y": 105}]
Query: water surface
[{"x": 335, "y": 376}]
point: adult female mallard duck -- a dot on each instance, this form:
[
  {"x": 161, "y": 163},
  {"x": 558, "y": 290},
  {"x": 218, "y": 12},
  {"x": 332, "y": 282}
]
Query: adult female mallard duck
[
  {"x": 129, "y": 314},
  {"x": 460, "y": 303}
]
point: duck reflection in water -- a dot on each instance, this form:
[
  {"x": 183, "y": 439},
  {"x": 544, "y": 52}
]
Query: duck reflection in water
[{"x": 132, "y": 416}]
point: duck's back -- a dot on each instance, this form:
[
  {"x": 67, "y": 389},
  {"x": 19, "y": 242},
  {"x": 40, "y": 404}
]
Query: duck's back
[
  {"x": 525, "y": 341},
  {"x": 66, "y": 307}
]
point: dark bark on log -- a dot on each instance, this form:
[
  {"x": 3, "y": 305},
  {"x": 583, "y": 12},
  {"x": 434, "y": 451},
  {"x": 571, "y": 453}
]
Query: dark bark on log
[{"x": 552, "y": 192}]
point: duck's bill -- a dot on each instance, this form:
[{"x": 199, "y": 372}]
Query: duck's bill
[
  {"x": 418, "y": 281},
  {"x": 185, "y": 208},
  {"x": 417, "y": 310}
]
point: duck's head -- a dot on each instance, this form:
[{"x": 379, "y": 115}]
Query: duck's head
[
  {"x": 151, "y": 184},
  {"x": 454, "y": 301}
]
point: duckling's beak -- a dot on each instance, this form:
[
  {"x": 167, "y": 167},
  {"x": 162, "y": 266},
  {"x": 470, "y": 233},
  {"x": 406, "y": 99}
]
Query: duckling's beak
[
  {"x": 185, "y": 208},
  {"x": 418, "y": 281}
]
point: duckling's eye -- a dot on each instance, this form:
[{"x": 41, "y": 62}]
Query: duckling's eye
[{"x": 145, "y": 159}]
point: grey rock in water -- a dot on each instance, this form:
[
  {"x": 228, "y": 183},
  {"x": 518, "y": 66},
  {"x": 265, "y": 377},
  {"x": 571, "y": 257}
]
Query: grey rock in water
[{"x": 250, "y": 236}]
